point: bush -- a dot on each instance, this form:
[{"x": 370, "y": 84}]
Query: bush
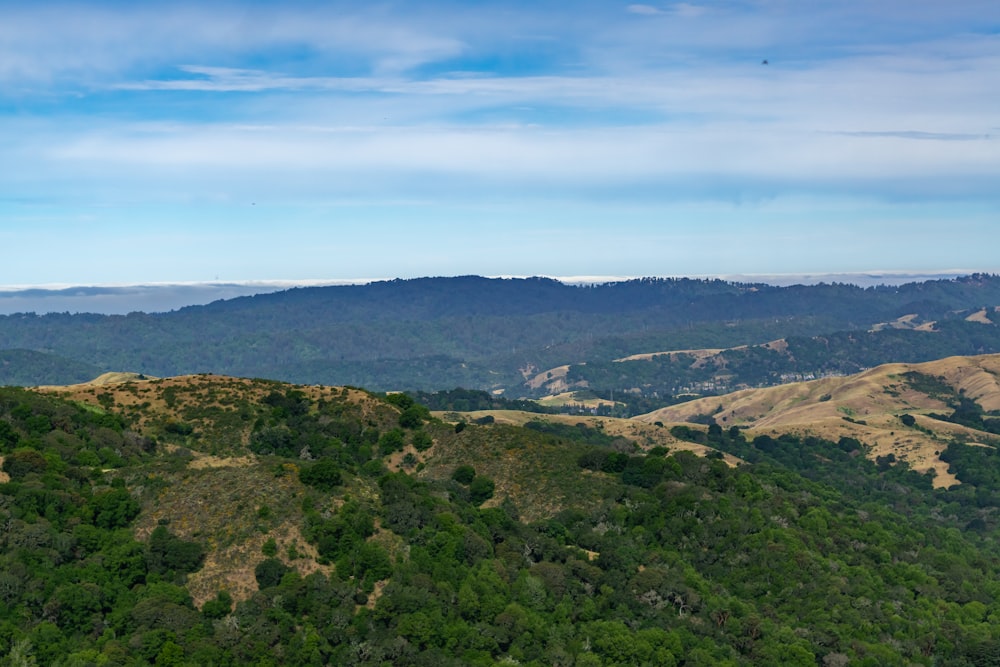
[
  {"x": 114, "y": 509},
  {"x": 422, "y": 441},
  {"x": 270, "y": 572},
  {"x": 593, "y": 458},
  {"x": 411, "y": 417},
  {"x": 169, "y": 553},
  {"x": 269, "y": 548},
  {"x": 464, "y": 474},
  {"x": 615, "y": 462},
  {"x": 481, "y": 489},
  {"x": 391, "y": 441},
  {"x": 220, "y": 607},
  {"x": 23, "y": 462},
  {"x": 323, "y": 475}
]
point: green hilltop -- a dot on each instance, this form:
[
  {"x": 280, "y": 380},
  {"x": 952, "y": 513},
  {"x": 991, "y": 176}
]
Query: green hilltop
[{"x": 211, "y": 520}]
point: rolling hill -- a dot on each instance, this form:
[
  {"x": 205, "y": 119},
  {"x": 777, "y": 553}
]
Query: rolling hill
[
  {"x": 868, "y": 406},
  {"x": 209, "y": 519}
]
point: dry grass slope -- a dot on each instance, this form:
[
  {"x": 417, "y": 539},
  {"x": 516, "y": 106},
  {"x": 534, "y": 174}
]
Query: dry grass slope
[{"x": 865, "y": 406}]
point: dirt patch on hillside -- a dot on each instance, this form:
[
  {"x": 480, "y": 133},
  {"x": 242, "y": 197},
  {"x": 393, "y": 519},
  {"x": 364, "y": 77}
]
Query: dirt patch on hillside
[
  {"x": 232, "y": 568},
  {"x": 202, "y": 461},
  {"x": 697, "y": 354},
  {"x": 396, "y": 461},
  {"x": 979, "y": 316}
]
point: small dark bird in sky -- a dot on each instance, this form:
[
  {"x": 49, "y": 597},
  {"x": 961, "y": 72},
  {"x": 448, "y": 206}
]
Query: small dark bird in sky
[{"x": 763, "y": 62}]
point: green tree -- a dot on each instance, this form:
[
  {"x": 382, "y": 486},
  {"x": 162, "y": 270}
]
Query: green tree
[
  {"x": 481, "y": 489},
  {"x": 169, "y": 553},
  {"x": 412, "y": 417},
  {"x": 269, "y": 572},
  {"x": 114, "y": 509},
  {"x": 323, "y": 475},
  {"x": 464, "y": 474}
]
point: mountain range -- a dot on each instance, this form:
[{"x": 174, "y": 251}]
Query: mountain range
[{"x": 640, "y": 338}]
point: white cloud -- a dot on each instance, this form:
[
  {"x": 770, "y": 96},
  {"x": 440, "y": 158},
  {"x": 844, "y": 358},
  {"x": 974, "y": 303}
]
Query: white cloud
[
  {"x": 688, "y": 10},
  {"x": 645, "y": 10},
  {"x": 230, "y": 79}
]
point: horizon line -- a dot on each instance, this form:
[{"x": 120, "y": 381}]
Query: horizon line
[{"x": 812, "y": 277}]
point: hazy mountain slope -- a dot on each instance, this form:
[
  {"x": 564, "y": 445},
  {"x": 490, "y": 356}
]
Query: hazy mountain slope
[
  {"x": 29, "y": 367},
  {"x": 437, "y": 333},
  {"x": 782, "y": 360}
]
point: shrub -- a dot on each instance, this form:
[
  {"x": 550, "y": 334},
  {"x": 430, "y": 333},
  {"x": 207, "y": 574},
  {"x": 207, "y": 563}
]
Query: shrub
[
  {"x": 23, "y": 462},
  {"x": 464, "y": 474},
  {"x": 114, "y": 509},
  {"x": 169, "y": 553},
  {"x": 391, "y": 441},
  {"x": 270, "y": 572},
  {"x": 481, "y": 489},
  {"x": 323, "y": 475},
  {"x": 411, "y": 417},
  {"x": 219, "y": 607},
  {"x": 422, "y": 441}
]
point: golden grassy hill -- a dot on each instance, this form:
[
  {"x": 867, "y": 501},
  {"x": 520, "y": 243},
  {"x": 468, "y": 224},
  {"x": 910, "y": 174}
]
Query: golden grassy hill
[{"x": 866, "y": 406}]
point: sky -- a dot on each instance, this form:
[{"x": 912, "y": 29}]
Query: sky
[{"x": 171, "y": 142}]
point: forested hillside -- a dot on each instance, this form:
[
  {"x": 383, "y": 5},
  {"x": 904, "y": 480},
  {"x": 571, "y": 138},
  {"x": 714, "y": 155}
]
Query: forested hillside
[
  {"x": 212, "y": 520},
  {"x": 790, "y": 359},
  {"x": 478, "y": 333},
  {"x": 29, "y": 367}
]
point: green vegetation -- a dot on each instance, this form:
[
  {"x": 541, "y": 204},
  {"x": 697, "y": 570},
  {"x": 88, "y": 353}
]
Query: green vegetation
[
  {"x": 553, "y": 544},
  {"x": 31, "y": 367}
]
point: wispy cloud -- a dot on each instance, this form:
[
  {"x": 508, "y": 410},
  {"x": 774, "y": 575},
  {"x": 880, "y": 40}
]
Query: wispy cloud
[
  {"x": 230, "y": 79},
  {"x": 922, "y": 136},
  {"x": 681, "y": 9},
  {"x": 645, "y": 10}
]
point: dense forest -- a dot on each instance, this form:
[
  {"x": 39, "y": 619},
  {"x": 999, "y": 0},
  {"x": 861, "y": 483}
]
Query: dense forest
[
  {"x": 482, "y": 545},
  {"x": 439, "y": 333}
]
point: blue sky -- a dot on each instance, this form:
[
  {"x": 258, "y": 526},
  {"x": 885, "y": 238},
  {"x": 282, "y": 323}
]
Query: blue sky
[{"x": 172, "y": 142}]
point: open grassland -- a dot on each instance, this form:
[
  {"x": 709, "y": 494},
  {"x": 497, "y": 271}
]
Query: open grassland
[{"x": 866, "y": 406}]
